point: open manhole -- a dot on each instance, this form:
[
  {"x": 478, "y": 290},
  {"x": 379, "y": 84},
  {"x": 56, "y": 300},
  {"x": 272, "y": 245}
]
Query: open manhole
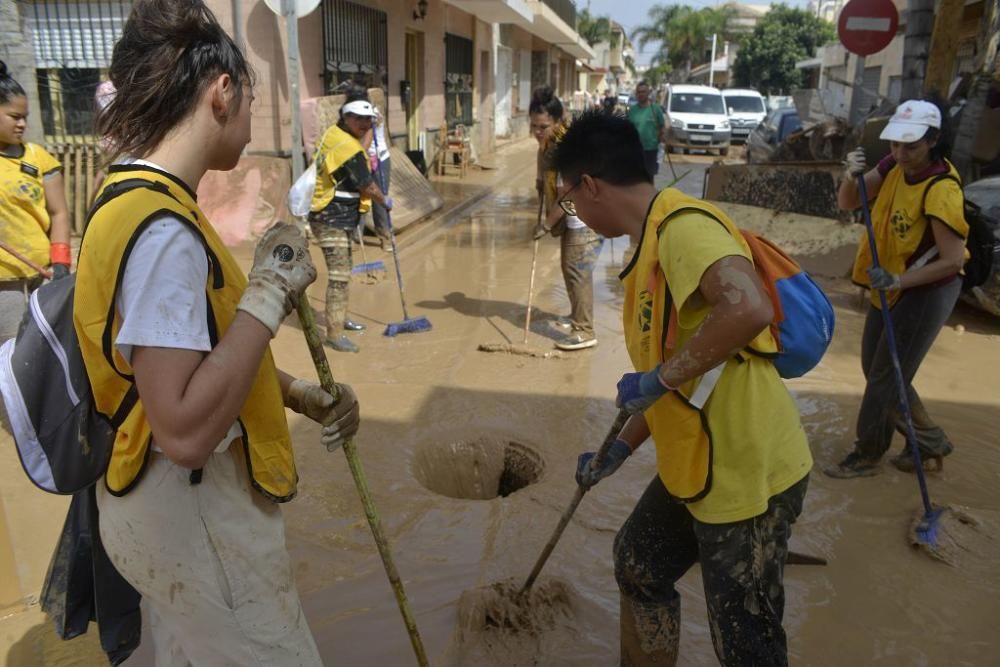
[{"x": 480, "y": 469}]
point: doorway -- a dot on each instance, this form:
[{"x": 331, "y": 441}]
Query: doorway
[{"x": 413, "y": 88}]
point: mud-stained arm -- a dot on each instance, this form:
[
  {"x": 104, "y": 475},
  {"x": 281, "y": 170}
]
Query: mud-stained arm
[
  {"x": 739, "y": 310},
  {"x": 949, "y": 262},
  {"x": 192, "y": 398},
  {"x": 635, "y": 431}
]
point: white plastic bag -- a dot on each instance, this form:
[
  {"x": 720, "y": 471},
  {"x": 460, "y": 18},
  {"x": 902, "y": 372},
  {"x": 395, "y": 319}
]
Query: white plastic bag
[{"x": 301, "y": 193}]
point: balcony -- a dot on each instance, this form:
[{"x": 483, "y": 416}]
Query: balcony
[
  {"x": 517, "y": 12},
  {"x": 550, "y": 25},
  {"x": 564, "y": 9}
]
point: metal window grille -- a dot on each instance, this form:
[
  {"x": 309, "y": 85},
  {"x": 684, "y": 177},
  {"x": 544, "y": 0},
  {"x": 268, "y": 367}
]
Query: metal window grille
[
  {"x": 72, "y": 42},
  {"x": 355, "y": 46},
  {"x": 458, "y": 79}
]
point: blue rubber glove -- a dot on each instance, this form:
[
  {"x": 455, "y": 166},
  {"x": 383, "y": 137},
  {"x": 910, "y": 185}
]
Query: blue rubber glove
[
  {"x": 879, "y": 278},
  {"x": 59, "y": 271},
  {"x": 638, "y": 391},
  {"x": 587, "y": 476},
  {"x": 388, "y": 203}
]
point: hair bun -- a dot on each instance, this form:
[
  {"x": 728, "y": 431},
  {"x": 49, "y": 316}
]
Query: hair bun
[{"x": 3, "y": 69}]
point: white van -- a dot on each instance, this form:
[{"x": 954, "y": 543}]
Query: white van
[
  {"x": 698, "y": 119},
  {"x": 746, "y": 111}
]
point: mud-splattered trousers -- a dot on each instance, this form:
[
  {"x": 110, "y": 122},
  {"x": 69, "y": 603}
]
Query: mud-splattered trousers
[
  {"x": 580, "y": 250},
  {"x": 742, "y": 568},
  {"x": 333, "y": 238},
  {"x": 917, "y": 318},
  {"x": 211, "y": 564}
]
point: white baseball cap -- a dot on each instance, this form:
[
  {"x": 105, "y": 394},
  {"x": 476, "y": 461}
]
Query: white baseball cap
[
  {"x": 358, "y": 108},
  {"x": 910, "y": 122}
]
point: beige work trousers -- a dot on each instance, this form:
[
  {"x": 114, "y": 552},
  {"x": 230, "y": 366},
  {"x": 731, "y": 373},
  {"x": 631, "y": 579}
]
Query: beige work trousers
[{"x": 210, "y": 562}]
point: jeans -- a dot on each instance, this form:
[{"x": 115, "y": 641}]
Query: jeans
[
  {"x": 916, "y": 319},
  {"x": 380, "y": 216},
  {"x": 742, "y": 568},
  {"x": 580, "y": 249}
]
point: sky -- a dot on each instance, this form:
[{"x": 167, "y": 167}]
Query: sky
[{"x": 632, "y": 13}]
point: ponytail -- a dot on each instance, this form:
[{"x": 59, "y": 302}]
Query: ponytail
[{"x": 9, "y": 88}]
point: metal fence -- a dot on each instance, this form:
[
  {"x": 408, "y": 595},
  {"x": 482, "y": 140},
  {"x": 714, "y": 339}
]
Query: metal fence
[{"x": 355, "y": 45}]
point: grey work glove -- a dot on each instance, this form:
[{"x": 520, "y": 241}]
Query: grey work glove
[
  {"x": 340, "y": 419},
  {"x": 854, "y": 163},
  {"x": 282, "y": 269},
  {"x": 539, "y": 231}
]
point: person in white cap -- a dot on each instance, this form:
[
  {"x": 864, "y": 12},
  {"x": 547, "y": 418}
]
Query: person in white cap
[
  {"x": 344, "y": 184},
  {"x": 920, "y": 228}
]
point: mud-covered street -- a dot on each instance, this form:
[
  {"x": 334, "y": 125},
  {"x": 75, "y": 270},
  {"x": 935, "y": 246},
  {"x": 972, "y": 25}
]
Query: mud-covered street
[{"x": 441, "y": 420}]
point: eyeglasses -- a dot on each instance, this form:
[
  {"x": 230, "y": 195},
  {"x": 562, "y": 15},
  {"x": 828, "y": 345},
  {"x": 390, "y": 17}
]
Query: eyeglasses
[{"x": 567, "y": 205}]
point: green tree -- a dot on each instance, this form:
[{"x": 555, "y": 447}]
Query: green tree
[
  {"x": 682, "y": 34},
  {"x": 594, "y": 29},
  {"x": 767, "y": 57}
]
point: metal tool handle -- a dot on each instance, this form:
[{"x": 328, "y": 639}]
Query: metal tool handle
[
  {"x": 613, "y": 432},
  {"x": 531, "y": 290},
  {"x": 890, "y": 339},
  {"x": 392, "y": 233},
  {"x": 360, "y": 480}
]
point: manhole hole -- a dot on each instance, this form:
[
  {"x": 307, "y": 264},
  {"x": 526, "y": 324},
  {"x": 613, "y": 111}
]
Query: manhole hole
[{"x": 480, "y": 469}]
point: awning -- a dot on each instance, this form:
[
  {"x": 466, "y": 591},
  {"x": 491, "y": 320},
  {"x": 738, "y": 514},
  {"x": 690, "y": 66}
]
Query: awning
[{"x": 517, "y": 12}]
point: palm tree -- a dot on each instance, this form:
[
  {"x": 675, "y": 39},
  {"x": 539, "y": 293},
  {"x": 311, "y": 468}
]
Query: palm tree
[
  {"x": 682, "y": 33},
  {"x": 594, "y": 29}
]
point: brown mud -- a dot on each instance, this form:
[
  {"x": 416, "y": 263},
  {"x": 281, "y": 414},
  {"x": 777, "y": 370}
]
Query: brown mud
[{"x": 878, "y": 601}]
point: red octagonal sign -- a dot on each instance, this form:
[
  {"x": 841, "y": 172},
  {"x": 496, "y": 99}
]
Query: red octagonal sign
[{"x": 867, "y": 26}]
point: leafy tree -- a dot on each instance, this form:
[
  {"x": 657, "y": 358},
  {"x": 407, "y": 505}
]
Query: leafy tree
[
  {"x": 594, "y": 29},
  {"x": 682, "y": 33},
  {"x": 766, "y": 59}
]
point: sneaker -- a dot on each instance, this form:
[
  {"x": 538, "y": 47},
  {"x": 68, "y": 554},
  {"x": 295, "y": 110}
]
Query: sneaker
[
  {"x": 351, "y": 325},
  {"x": 577, "y": 341},
  {"x": 342, "y": 344},
  {"x": 854, "y": 465},
  {"x": 904, "y": 461},
  {"x": 563, "y": 323}
]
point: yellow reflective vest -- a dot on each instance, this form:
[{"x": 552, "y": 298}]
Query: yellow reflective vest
[
  {"x": 23, "y": 213},
  {"x": 132, "y": 197},
  {"x": 680, "y": 427}
]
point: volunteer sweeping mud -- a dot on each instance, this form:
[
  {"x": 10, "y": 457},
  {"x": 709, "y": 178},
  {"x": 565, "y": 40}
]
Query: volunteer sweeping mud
[
  {"x": 579, "y": 246},
  {"x": 34, "y": 219},
  {"x": 731, "y": 477},
  {"x": 920, "y": 228},
  {"x": 344, "y": 185},
  {"x": 189, "y": 507}
]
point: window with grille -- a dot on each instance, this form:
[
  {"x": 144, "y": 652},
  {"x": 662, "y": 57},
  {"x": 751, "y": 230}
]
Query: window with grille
[
  {"x": 72, "y": 43},
  {"x": 458, "y": 79},
  {"x": 355, "y": 46}
]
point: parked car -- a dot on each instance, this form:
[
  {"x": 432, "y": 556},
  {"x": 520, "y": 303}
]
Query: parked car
[
  {"x": 697, "y": 118},
  {"x": 774, "y": 129},
  {"x": 779, "y": 102},
  {"x": 746, "y": 110}
]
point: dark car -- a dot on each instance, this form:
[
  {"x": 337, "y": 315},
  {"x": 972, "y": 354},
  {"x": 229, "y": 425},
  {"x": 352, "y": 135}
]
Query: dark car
[{"x": 772, "y": 131}]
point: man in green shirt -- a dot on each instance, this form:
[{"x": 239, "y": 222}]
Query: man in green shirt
[{"x": 648, "y": 120}]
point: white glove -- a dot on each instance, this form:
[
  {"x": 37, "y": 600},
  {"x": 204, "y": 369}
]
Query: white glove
[
  {"x": 282, "y": 269},
  {"x": 854, "y": 163},
  {"x": 340, "y": 419}
]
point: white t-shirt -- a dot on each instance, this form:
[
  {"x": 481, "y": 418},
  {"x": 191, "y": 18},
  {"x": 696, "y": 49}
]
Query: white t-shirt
[
  {"x": 379, "y": 136},
  {"x": 162, "y": 300}
]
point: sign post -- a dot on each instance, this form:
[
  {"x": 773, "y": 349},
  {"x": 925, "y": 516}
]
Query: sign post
[
  {"x": 292, "y": 10},
  {"x": 865, "y": 28}
]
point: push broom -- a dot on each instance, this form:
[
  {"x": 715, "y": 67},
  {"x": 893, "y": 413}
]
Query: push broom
[{"x": 408, "y": 325}]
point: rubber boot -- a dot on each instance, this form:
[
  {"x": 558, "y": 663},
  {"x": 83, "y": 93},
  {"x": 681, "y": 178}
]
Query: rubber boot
[{"x": 650, "y": 634}]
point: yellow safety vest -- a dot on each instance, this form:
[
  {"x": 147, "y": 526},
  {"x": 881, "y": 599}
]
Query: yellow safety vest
[
  {"x": 125, "y": 208},
  {"x": 335, "y": 148},
  {"x": 23, "y": 210},
  {"x": 684, "y": 448}
]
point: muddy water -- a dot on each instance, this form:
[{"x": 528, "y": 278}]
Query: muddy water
[{"x": 877, "y": 602}]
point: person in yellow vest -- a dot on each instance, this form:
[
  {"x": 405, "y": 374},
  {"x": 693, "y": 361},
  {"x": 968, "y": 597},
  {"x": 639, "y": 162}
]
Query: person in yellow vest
[
  {"x": 732, "y": 456},
  {"x": 579, "y": 247},
  {"x": 34, "y": 218},
  {"x": 176, "y": 343},
  {"x": 345, "y": 188},
  {"x": 920, "y": 232}
]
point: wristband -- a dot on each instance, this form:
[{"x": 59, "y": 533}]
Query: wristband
[{"x": 59, "y": 253}]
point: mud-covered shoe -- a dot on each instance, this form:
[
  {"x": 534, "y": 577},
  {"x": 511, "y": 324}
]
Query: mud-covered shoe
[
  {"x": 577, "y": 341},
  {"x": 351, "y": 325},
  {"x": 853, "y": 465},
  {"x": 342, "y": 344},
  {"x": 563, "y": 323},
  {"x": 904, "y": 461}
]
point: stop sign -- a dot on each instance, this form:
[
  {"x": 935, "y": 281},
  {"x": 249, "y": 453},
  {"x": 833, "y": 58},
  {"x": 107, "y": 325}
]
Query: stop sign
[{"x": 867, "y": 26}]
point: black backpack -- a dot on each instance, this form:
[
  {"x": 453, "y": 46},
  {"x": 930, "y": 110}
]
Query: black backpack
[
  {"x": 63, "y": 442},
  {"x": 982, "y": 242}
]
